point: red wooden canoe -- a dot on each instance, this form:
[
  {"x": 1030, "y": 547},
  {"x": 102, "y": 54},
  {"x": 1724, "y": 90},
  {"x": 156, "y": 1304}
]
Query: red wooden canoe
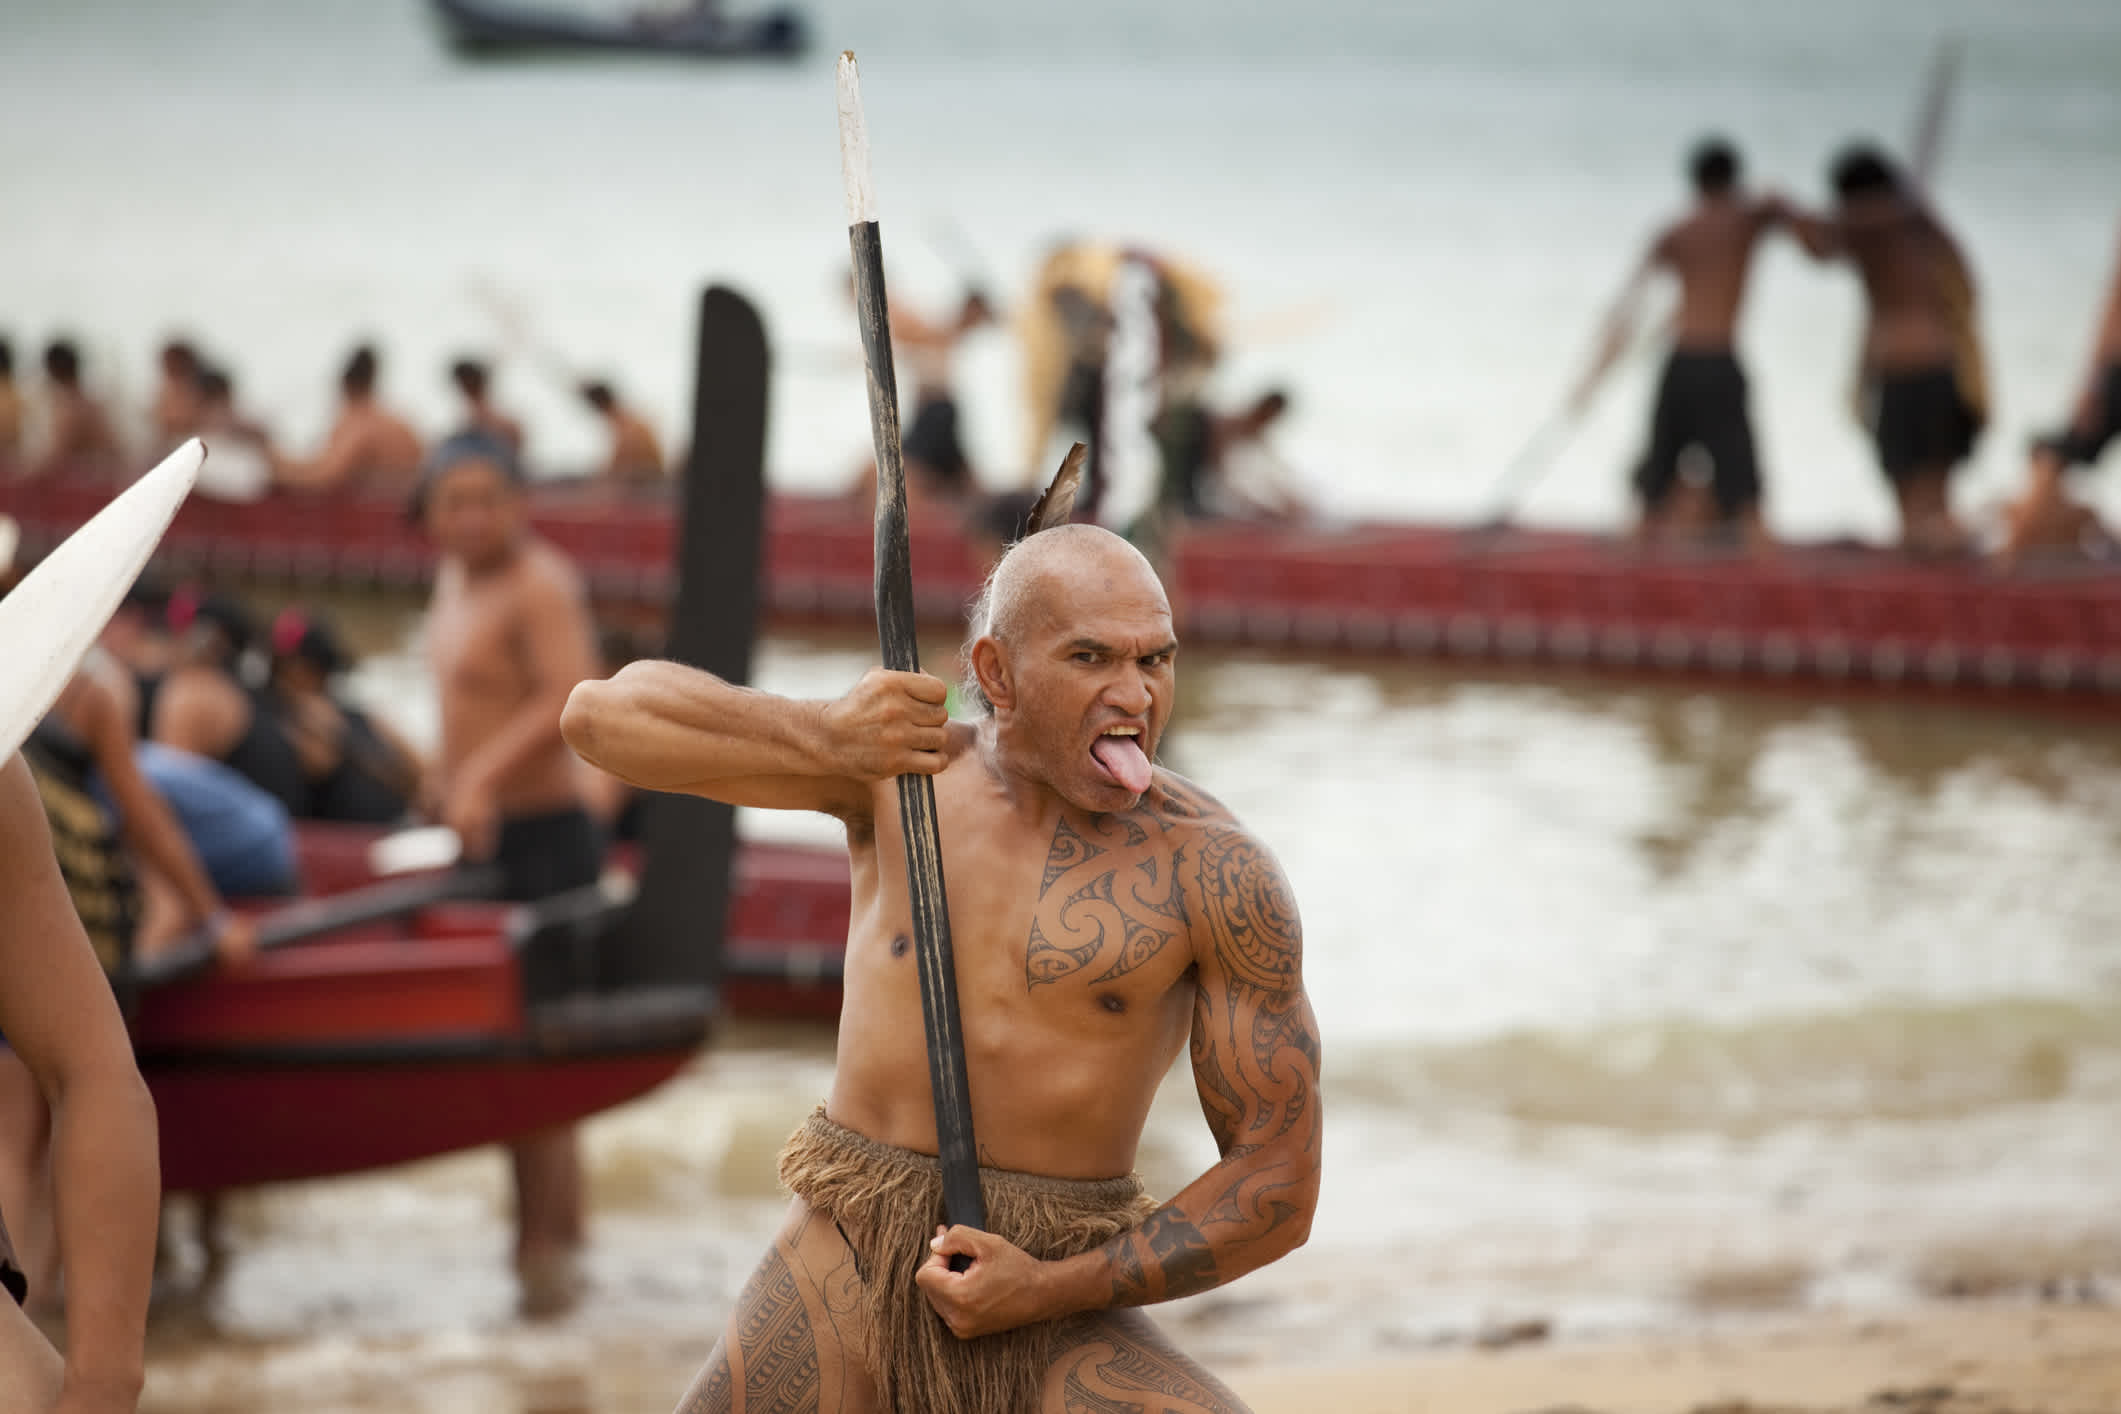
[
  {"x": 390, "y": 1042},
  {"x": 1811, "y": 617},
  {"x": 787, "y": 930}
]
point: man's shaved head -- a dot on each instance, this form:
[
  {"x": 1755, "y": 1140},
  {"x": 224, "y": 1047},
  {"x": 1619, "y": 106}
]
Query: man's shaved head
[{"x": 1037, "y": 574}]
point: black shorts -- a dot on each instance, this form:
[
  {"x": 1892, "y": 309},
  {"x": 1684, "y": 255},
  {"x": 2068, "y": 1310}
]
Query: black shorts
[
  {"x": 2082, "y": 446},
  {"x": 11, "y": 1278},
  {"x": 1921, "y": 422},
  {"x": 1701, "y": 402},
  {"x": 543, "y": 855},
  {"x": 932, "y": 448}
]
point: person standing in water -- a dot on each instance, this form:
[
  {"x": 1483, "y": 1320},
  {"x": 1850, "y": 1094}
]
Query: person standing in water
[
  {"x": 1702, "y": 394},
  {"x": 509, "y": 634},
  {"x": 1925, "y": 393}
]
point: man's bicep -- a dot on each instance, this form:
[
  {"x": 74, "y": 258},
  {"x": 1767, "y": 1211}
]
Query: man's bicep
[{"x": 1255, "y": 1047}]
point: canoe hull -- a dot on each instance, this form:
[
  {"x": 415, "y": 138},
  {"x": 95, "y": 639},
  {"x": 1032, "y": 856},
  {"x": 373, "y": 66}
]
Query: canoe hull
[
  {"x": 1822, "y": 619},
  {"x": 234, "y": 1121},
  {"x": 389, "y": 1042}
]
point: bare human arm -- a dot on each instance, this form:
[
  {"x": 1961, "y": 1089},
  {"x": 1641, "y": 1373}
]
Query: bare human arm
[
  {"x": 664, "y": 726},
  {"x": 344, "y": 451},
  {"x": 148, "y": 825},
  {"x": 1621, "y": 321},
  {"x": 1255, "y": 1053},
  {"x": 59, "y": 1017},
  {"x": 1820, "y": 236}
]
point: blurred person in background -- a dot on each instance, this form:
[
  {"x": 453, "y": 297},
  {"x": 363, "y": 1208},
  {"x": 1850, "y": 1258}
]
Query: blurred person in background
[
  {"x": 1222, "y": 464},
  {"x": 239, "y": 451},
  {"x": 933, "y": 449},
  {"x": 473, "y": 379},
  {"x": 370, "y": 448},
  {"x": 10, "y": 410},
  {"x": 78, "y": 432},
  {"x": 1925, "y": 393},
  {"x": 1702, "y": 395},
  {"x": 636, "y": 457},
  {"x": 75, "y": 1120},
  {"x": 175, "y": 414},
  {"x": 2047, "y": 516},
  {"x": 357, "y": 769},
  {"x": 508, "y": 635},
  {"x": 205, "y": 706},
  {"x": 137, "y": 637}
]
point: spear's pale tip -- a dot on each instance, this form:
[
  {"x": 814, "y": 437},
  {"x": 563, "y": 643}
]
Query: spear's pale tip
[{"x": 854, "y": 145}]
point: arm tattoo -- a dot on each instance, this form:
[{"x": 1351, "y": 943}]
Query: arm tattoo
[
  {"x": 1255, "y": 1054},
  {"x": 1079, "y": 1398}
]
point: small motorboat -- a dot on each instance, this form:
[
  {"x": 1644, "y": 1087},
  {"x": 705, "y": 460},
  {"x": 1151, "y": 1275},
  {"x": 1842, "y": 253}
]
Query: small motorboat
[{"x": 696, "y": 31}]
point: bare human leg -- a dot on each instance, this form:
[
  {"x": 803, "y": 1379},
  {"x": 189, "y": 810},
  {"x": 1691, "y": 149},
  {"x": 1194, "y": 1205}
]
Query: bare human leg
[
  {"x": 1927, "y": 527},
  {"x": 548, "y": 1179},
  {"x": 795, "y": 1343},
  {"x": 1122, "y": 1364}
]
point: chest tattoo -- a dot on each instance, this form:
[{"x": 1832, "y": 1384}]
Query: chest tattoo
[{"x": 1110, "y": 903}]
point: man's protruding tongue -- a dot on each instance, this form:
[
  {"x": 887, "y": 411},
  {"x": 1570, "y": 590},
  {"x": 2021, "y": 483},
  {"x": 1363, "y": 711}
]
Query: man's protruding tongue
[{"x": 1123, "y": 757}]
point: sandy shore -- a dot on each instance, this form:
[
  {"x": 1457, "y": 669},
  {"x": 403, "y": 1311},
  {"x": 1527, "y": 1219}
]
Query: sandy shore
[{"x": 1938, "y": 1360}]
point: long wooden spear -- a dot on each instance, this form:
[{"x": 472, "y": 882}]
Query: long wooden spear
[{"x": 962, "y": 1201}]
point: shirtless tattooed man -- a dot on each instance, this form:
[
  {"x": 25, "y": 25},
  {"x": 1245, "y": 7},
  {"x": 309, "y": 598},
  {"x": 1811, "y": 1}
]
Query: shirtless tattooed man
[{"x": 1102, "y": 910}]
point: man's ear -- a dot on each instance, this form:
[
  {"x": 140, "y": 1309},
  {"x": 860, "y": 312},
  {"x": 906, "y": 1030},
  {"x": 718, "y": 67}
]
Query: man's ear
[{"x": 991, "y": 667}]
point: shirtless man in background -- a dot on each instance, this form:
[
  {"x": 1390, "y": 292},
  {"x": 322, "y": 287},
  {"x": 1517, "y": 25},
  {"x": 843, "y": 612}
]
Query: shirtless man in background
[
  {"x": 78, "y": 433},
  {"x": 1701, "y": 398},
  {"x": 636, "y": 457},
  {"x": 934, "y": 446},
  {"x": 1925, "y": 391},
  {"x": 1102, "y": 909},
  {"x": 508, "y": 635},
  {"x": 177, "y": 409},
  {"x": 473, "y": 379},
  {"x": 370, "y": 448},
  {"x": 10, "y": 411},
  {"x": 66, "y": 1042}
]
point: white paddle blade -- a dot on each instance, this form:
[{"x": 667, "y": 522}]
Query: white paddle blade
[
  {"x": 55, "y": 613},
  {"x": 416, "y": 851}
]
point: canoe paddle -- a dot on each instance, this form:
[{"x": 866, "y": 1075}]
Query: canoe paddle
[
  {"x": 963, "y": 1204},
  {"x": 49, "y": 620}
]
